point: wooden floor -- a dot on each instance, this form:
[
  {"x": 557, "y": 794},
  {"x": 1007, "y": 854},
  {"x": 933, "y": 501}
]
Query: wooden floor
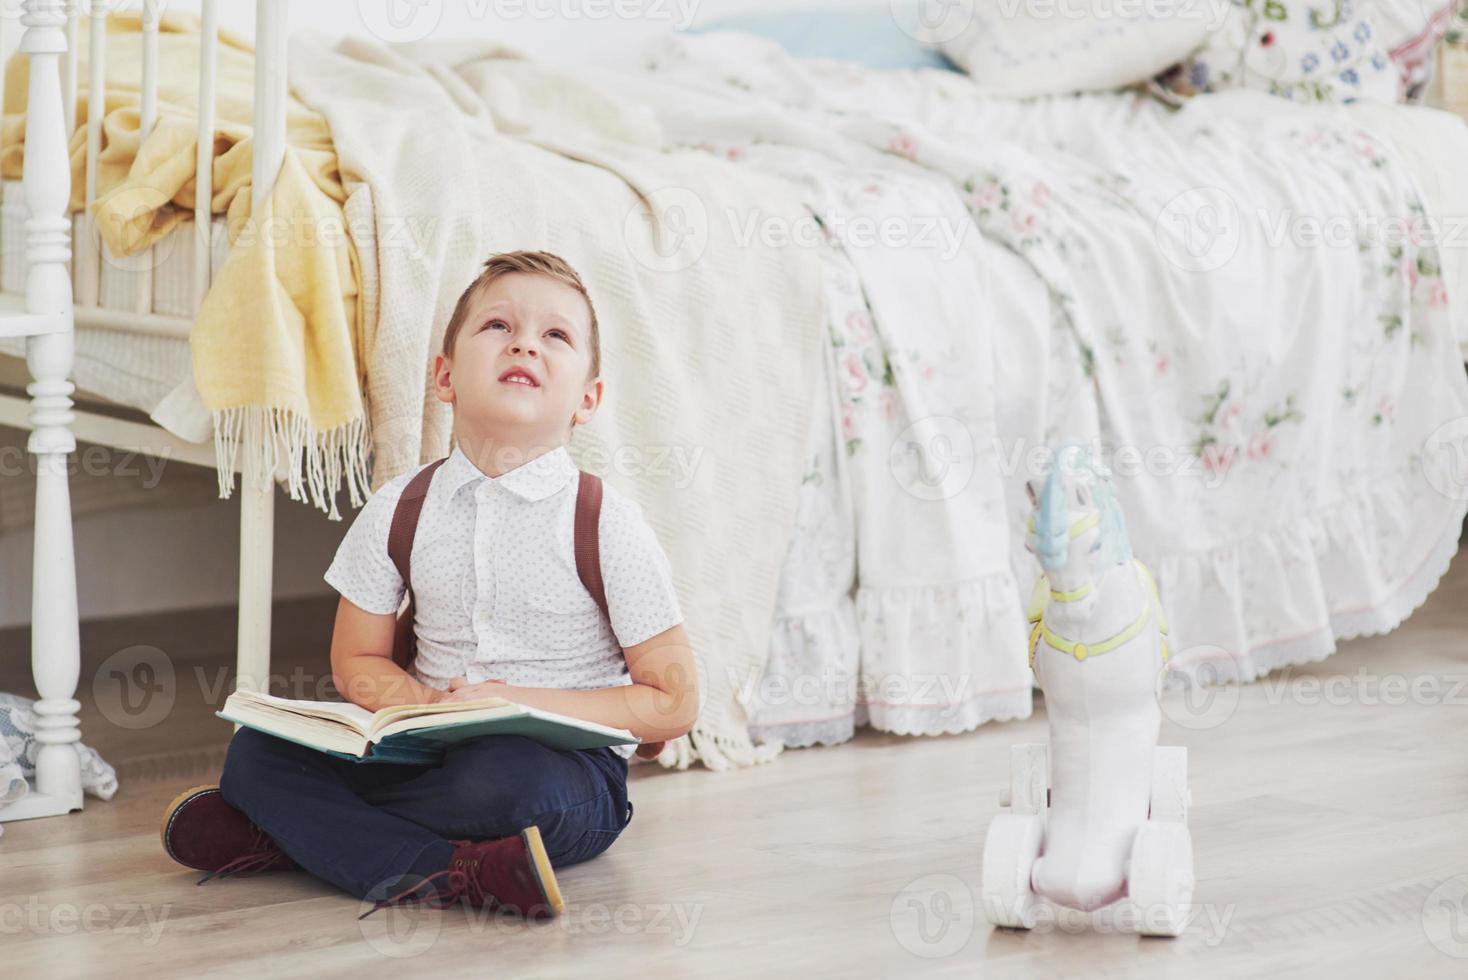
[{"x": 1328, "y": 824}]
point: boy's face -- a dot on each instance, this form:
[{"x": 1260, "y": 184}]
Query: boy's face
[{"x": 522, "y": 362}]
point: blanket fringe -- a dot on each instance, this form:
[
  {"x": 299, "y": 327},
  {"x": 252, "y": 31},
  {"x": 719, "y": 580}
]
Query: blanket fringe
[
  {"x": 268, "y": 436},
  {"x": 677, "y": 754},
  {"x": 720, "y": 751},
  {"x": 717, "y": 752}
]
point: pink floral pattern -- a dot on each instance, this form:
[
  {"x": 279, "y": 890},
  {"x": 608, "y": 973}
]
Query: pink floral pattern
[{"x": 1317, "y": 417}]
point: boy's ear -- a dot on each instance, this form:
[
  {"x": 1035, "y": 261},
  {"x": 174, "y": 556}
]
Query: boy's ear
[
  {"x": 443, "y": 384},
  {"x": 590, "y": 402}
]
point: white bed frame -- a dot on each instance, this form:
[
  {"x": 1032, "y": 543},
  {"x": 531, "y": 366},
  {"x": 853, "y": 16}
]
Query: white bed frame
[{"x": 47, "y": 314}]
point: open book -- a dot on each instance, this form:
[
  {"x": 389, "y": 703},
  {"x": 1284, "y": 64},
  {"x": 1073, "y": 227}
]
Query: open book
[{"x": 410, "y": 733}]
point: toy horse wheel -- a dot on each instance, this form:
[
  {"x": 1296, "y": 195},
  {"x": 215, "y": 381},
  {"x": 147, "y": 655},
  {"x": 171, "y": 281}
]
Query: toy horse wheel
[
  {"x": 1010, "y": 849},
  {"x": 1160, "y": 877},
  {"x": 1170, "y": 794}
]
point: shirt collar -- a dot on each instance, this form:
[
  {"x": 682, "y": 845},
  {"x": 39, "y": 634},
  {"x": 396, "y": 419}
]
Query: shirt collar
[{"x": 534, "y": 480}]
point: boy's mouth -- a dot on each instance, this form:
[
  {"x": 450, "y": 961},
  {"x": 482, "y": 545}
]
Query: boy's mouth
[{"x": 519, "y": 376}]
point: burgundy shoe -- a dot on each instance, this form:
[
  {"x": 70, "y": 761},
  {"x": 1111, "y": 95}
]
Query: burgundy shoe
[
  {"x": 509, "y": 873},
  {"x": 203, "y": 832}
]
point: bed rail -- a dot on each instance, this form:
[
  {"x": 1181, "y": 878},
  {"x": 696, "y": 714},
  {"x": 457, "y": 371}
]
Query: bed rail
[
  {"x": 45, "y": 320},
  {"x": 257, "y": 491},
  {"x": 69, "y": 279},
  {"x": 158, "y": 291}
]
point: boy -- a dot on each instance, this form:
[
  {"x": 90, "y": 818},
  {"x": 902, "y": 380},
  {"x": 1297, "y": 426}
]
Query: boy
[{"x": 499, "y": 612}]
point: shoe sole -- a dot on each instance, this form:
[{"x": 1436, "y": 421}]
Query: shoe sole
[
  {"x": 172, "y": 811},
  {"x": 543, "y": 870}
]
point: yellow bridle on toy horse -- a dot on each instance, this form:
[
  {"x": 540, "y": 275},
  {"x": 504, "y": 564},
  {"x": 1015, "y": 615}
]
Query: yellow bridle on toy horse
[{"x": 1042, "y": 593}]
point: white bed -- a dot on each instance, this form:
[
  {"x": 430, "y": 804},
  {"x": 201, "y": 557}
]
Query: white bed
[
  {"x": 909, "y": 617},
  {"x": 122, "y": 359},
  {"x": 879, "y": 585}
]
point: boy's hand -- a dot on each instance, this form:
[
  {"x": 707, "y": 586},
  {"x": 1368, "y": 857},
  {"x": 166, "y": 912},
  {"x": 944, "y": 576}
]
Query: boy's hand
[{"x": 461, "y": 690}]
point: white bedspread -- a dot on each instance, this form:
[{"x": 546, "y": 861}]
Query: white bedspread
[
  {"x": 709, "y": 355},
  {"x": 1266, "y": 389}
]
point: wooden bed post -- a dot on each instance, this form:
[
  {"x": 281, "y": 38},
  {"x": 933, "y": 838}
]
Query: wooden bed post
[
  {"x": 257, "y": 489},
  {"x": 47, "y": 321}
]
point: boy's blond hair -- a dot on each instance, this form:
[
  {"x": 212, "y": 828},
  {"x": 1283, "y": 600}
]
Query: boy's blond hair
[{"x": 536, "y": 263}]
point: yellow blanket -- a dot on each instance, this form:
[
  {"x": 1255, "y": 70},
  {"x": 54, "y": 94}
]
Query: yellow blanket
[{"x": 274, "y": 342}]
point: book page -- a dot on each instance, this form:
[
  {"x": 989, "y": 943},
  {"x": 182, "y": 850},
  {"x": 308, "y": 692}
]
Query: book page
[
  {"x": 399, "y": 723},
  {"x": 317, "y": 732},
  {"x": 355, "y": 716},
  {"x": 400, "y": 712}
]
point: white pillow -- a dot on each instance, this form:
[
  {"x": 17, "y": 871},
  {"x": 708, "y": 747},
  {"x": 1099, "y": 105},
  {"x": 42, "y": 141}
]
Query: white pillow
[{"x": 1020, "y": 48}]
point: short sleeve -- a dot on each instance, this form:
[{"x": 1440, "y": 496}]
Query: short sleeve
[
  {"x": 362, "y": 571},
  {"x": 636, "y": 573}
]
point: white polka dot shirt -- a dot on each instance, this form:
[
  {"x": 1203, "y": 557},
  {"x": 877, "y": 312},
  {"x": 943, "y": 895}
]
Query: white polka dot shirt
[{"x": 494, "y": 577}]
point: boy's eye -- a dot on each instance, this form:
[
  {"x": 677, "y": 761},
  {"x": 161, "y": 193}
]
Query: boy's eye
[
  {"x": 561, "y": 334},
  {"x": 496, "y": 323}
]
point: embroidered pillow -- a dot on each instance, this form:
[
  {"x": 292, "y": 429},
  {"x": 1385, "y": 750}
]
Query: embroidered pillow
[
  {"x": 1017, "y": 49},
  {"x": 1305, "y": 50}
]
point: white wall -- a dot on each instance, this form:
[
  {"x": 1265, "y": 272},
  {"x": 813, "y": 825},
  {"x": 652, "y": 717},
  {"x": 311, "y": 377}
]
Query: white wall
[
  {"x": 145, "y": 560},
  {"x": 551, "y": 30},
  {"x": 545, "y": 29}
]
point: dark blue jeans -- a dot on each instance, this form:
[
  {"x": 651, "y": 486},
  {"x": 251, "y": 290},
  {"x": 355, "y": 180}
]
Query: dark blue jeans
[{"x": 364, "y": 826}]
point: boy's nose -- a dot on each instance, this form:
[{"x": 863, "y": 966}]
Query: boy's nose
[{"x": 517, "y": 348}]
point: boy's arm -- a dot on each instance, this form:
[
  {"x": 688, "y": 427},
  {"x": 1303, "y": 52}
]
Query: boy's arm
[
  {"x": 660, "y": 704},
  {"x": 361, "y": 661}
]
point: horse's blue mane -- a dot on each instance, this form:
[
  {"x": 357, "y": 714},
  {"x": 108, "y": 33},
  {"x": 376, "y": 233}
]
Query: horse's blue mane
[{"x": 1052, "y": 523}]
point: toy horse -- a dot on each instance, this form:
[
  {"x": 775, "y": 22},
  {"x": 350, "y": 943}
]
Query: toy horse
[{"x": 1106, "y": 820}]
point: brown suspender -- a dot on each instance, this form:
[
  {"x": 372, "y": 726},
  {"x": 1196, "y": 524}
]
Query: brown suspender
[
  {"x": 405, "y": 526},
  {"x": 588, "y": 541},
  {"x": 400, "y": 550}
]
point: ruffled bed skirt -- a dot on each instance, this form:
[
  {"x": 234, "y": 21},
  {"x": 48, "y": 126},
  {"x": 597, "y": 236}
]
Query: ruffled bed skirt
[
  {"x": 1287, "y": 595},
  {"x": 931, "y": 660},
  {"x": 911, "y": 661}
]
